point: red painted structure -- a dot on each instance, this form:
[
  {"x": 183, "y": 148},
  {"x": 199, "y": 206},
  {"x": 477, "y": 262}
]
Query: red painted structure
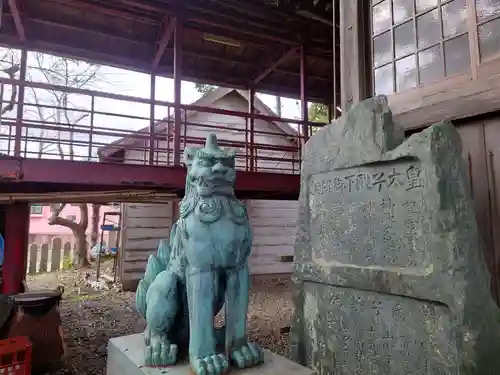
[
  {"x": 282, "y": 48},
  {"x": 17, "y": 223}
]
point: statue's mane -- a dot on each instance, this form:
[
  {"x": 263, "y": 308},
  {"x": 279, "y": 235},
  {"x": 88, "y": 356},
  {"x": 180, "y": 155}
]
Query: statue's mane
[{"x": 209, "y": 209}]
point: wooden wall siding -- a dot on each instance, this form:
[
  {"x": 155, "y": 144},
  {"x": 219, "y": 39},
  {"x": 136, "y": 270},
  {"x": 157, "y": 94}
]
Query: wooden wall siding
[
  {"x": 144, "y": 225},
  {"x": 274, "y": 225}
]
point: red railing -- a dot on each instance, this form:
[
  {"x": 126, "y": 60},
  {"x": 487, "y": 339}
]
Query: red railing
[{"x": 92, "y": 130}]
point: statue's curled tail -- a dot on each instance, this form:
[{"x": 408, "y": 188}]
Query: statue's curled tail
[{"x": 156, "y": 263}]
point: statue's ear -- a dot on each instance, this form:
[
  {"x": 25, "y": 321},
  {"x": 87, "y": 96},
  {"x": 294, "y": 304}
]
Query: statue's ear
[
  {"x": 231, "y": 153},
  {"x": 189, "y": 155}
]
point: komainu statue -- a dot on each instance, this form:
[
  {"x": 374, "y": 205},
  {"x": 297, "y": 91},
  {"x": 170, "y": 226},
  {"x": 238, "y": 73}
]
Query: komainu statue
[{"x": 202, "y": 267}]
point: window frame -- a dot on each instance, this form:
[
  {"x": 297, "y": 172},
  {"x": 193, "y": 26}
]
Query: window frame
[
  {"x": 37, "y": 205},
  {"x": 460, "y": 95},
  {"x": 413, "y": 20}
]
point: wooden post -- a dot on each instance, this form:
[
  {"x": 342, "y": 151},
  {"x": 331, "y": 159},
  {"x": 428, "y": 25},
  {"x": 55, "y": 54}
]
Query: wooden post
[
  {"x": 251, "y": 110},
  {"x": 303, "y": 93},
  {"x": 20, "y": 103},
  {"x": 17, "y": 218},
  {"x": 332, "y": 113},
  {"x": 152, "y": 96},
  {"x": 177, "y": 87},
  {"x": 355, "y": 42}
]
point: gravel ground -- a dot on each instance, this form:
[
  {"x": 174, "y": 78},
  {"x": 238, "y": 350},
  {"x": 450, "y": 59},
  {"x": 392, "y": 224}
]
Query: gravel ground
[{"x": 90, "y": 318}]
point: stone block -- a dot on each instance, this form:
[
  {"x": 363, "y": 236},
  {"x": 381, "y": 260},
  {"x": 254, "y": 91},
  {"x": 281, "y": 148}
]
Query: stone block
[
  {"x": 388, "y": 261},
  {"x": 126, "y": 357}
]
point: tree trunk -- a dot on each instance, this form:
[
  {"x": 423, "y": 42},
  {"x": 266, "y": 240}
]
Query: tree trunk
[
  {"x": 81, "y": 247},
  {"x": 79, "y": 230},
  {"x": 94, "y": 235}
]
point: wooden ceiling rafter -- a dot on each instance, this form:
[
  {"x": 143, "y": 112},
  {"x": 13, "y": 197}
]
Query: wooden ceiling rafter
[
  {"x": 239, "y": 62},
  {"x": 137, "y": 39},
  {"x": 169, "y": 29},
  {"x": 273, "y": 65},
  {"x": 16, "y": 15}
]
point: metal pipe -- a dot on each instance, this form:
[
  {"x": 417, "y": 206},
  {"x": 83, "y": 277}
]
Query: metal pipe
[
  {"x": 303, "y": 93},
  {"x": 92, "y": 105},
  {"x": 152, "y": 95},
  {"x": 20, "y": 103},
  {"x": 251, "y": 110},
  {"x": 185, "y": 107},
  {"x": 177, "y": 88}
]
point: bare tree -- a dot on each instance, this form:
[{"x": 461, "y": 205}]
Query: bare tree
[
  {"x": 66, "y": 112},
  {"x": 79, "y": 229},
  {"x": 11, "y": 71}
]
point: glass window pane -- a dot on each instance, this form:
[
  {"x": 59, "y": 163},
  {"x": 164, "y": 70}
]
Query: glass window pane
[
  {"x": 430, "y": 63},
  {"x": 402, "y": 10},
  {"x": 381, "y": 17},
  {"x": 36, "y": 209},
  {"x": 421, "y": 5},
  {"x": 489, "y": 38},
  {"x": 428, "y": 29},
  {"x": 454, "y": 18},
  {"x": 487, "y": 8},
  {"x": 406, "y": 73},
  {"x": 382, "y": 49},
  {"x": 457, "y": 55},
  {"x": 404, "y": 39},
  {"x": 384, "y": 80}
]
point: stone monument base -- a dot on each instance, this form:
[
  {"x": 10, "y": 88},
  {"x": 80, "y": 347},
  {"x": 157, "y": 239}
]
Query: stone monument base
[{"x": 126, "y": 357}]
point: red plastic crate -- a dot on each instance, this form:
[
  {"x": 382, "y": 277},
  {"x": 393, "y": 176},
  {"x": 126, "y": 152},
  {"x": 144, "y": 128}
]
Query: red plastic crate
[{"x": 15, "y": 356}]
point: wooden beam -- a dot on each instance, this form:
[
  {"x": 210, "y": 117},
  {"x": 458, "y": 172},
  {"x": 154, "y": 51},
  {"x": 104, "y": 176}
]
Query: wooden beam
[
  {"x": 288, "y": 54},
  {"x": 164, "y": 40},
  {"x": 16, "y": 14},
  {"x": 303, "y": 93},
  {"x": 355, "y": 56}
]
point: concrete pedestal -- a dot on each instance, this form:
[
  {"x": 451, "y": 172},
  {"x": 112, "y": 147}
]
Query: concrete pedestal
[{"x": 126, "y": 357}]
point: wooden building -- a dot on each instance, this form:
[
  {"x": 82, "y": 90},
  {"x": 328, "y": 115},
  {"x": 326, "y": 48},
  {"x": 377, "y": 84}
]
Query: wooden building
[
  {"x": 436, "y": 60},
  {"x": 273, "y": 222}
]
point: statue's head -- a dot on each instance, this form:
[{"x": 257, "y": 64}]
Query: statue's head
[{"x": 211, "y": 170}]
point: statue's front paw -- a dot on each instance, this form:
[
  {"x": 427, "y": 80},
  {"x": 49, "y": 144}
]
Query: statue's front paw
[
  {"x": 212, "y": 365},
  {"x": 162, "y": 353},
  {"x": 247, "y": 355}
]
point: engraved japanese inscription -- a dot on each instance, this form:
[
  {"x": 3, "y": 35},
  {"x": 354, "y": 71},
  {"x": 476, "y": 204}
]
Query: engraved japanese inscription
[
  {"x": 377, "y": 208},
  {"x": 388, "y": 265},
  {"x": 372, "y": 329}
]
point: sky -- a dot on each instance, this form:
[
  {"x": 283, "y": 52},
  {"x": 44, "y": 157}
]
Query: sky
[{"x": 107, "y": 79}]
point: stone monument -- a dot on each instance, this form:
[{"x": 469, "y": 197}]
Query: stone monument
[
  {"x": 200, "y": 269},
  {"x": 389, "y": 269}
]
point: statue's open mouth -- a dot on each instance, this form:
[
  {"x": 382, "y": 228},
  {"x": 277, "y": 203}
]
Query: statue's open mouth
[
  {"x": 220, "y": 185},
  {"x": 213, "y": 182}
]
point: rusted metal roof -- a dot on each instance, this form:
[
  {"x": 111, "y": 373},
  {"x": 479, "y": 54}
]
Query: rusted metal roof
[{"x": 225, "y": 42}]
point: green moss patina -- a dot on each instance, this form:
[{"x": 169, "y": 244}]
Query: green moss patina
[{"x": 201, "y": 268}]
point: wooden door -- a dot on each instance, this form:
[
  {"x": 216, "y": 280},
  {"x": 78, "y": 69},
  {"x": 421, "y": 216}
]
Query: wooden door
[
  {"x": 492, "y": 151},
  {"x": 474, "y": 151}
]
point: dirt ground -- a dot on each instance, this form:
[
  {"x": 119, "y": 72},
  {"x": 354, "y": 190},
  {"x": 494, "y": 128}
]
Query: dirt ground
[{"x": 90, "y": 317}]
